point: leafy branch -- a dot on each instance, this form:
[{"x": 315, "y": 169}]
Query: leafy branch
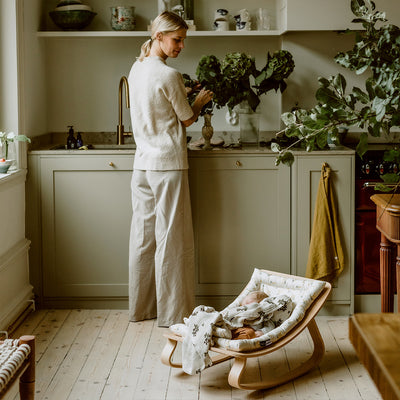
[{"x": 374, "y": 109}]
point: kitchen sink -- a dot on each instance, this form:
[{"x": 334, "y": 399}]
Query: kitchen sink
[{"x": 128, "y": 146}]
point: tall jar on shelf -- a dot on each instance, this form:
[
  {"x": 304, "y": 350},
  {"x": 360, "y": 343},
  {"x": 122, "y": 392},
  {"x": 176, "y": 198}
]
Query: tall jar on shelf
[
  {"x": 188, "y": 9},
  {"x": 168, "y": 5}
]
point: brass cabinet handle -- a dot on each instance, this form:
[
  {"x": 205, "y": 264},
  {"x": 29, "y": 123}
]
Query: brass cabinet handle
[
  {"x": 238, "y": 163},
  {"x": 111, "y": 164}
]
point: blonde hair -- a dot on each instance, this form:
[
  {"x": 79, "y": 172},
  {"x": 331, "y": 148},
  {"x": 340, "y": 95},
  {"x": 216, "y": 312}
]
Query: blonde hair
[{"x": 166, "y": 22}]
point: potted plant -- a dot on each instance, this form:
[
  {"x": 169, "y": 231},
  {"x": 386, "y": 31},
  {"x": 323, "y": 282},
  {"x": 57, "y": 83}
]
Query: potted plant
[
  {"x": 5, "y": 140},
  {"x": 236, "y": 81},
  {"x": 374, "y": 108}
]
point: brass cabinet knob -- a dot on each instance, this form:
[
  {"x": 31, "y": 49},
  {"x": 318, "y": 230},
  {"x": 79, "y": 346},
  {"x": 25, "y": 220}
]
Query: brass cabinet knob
[
  {"x": 111, "y": 164},
  {"x": 238, "y": 163}
]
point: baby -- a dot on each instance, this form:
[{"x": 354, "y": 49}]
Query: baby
[
  {"x": 247, "y": 332},
  {"x": 254, "y": 297}
]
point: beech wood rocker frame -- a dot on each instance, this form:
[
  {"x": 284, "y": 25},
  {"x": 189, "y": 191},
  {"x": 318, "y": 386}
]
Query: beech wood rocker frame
[{"x": 240, "y": 358}]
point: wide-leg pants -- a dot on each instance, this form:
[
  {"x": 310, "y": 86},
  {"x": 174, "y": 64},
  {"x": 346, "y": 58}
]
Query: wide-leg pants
[{"x": 161, "y": 248}]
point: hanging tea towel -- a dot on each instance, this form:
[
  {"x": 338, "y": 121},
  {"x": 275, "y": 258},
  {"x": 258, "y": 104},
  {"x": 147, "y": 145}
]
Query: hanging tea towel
[{"x": 325, "y": 257}]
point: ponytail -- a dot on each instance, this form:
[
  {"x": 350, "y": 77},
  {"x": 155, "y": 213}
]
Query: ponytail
[
  {"x": 145, "y": 49},
  {"x": 166, "y": 22}
]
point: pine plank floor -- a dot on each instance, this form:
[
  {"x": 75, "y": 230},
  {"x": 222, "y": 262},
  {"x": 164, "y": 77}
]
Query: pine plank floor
[{"x": 100, "y": 355}]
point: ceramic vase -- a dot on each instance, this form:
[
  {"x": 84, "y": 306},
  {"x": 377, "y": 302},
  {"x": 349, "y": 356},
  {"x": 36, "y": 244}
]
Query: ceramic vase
[{"x": 207, "y": 132}]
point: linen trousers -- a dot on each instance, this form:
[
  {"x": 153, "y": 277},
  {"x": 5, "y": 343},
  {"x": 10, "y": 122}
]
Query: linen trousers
[{"x": 161, "y": 247}]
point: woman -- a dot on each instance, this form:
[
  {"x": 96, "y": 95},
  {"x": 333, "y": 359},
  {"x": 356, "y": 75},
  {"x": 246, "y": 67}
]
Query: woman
[{"x": 161, "y": 259}]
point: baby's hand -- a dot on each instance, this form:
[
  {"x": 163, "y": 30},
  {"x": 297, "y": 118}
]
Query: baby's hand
[{"x": 259, "y": 333}]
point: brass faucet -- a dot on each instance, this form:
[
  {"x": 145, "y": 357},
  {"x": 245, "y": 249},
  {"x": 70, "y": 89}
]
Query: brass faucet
[{"x": 120, "y": 128}]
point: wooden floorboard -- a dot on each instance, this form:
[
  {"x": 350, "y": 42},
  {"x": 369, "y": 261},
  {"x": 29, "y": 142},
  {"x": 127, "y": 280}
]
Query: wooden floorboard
[{"x": 100, "y": 355}]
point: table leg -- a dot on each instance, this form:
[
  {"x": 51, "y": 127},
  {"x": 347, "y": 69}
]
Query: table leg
[
  {"x": 398, "y": 277},
  {"x": 387, "y": 294}
]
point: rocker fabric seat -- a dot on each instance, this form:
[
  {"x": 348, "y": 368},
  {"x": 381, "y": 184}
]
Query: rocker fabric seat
[
  {"x": 17, "y": 359},
  {"x": 308, "y": 296}
]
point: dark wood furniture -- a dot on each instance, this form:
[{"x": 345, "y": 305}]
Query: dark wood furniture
[
  {"x": 388, "y": 224},
  {"x": 376, "y": 339}
]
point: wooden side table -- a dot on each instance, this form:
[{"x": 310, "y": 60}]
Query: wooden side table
[
  {"x": 388, "y": 224},
  {"x": 375, "y": 338}
]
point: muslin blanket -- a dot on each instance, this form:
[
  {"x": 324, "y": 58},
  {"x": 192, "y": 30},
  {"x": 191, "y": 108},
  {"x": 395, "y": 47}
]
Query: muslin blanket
[{"x": 205, "y": 322}]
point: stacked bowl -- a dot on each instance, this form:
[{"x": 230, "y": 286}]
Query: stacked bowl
[{"x": 72, "y": 15}]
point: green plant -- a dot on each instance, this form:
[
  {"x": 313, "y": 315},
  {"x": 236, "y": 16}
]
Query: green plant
[
  {"x": 231, "y": 79},
  {"x": 279, "y": 66},
  {"x": 7, "y": 138},
  {"x": 374, "y": 109}
]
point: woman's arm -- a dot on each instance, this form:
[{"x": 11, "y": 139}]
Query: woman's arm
[{"x": 201, "y": 99}]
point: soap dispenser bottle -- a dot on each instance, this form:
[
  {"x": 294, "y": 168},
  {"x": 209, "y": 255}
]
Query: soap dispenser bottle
[
  {"x": 71, "y": 141},
  {"x": 79, "y": 141}
]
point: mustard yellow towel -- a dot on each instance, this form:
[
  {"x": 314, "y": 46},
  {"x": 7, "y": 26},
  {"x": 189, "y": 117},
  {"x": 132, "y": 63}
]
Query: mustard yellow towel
[{"x": 325, "y": 256}]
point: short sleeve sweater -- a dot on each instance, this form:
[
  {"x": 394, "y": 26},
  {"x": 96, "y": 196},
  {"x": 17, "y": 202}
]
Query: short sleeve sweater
[{"x": 158, "y": 104}]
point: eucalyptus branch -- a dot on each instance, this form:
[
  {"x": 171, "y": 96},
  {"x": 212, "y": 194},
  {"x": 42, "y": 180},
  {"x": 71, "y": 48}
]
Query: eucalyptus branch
[{"x": 376, "y": 108}]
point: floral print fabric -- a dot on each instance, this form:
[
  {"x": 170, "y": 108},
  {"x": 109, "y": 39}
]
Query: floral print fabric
[{"x": 206, "y": 323}]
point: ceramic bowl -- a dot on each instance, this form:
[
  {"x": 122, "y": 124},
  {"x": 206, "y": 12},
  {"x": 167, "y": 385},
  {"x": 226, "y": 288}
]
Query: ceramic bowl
[
  {"x": 73, "y": 7},
  {"x": 62, "y": 3},
  {"x": 4, "y": 166},
  {"x": 72, "y": 20}
]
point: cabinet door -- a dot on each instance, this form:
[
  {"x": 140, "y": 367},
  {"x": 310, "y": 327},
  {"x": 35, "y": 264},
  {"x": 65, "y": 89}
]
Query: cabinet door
[
  {"x": 241, "y": 210},
  {"x": 306, "y": 177},
  {"x": 367, "y": 244},
  {"x": 86, "y": 215}
]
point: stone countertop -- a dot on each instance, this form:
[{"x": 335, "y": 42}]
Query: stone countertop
[
  {"x": 193, "y": 151},
  {"x": 104, "y": 143},
  {"x": 52, "y": 150}
]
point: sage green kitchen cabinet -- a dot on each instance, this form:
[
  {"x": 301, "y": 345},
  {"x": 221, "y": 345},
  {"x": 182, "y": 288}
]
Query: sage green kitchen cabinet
[
  {"x": 247, "y": 213},
  {"x": 86, "y": 215},
  {"x": 306, "y": 172},
  {"x": 241, "y": 218}
]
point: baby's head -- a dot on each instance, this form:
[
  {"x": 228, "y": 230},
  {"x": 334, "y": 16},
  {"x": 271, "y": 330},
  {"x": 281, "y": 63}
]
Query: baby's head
[{"x": 254, "y": 297}]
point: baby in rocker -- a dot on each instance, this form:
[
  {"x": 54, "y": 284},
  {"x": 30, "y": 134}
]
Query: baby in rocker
[{"x": 257, "y": 330}]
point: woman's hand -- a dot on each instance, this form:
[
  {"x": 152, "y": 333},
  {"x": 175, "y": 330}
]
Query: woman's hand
[
  {"x": 204, "y": 97},
  {"x": 195, "y": 88}
]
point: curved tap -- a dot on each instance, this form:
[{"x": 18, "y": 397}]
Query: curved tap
[{"x": 120, "y": 127}]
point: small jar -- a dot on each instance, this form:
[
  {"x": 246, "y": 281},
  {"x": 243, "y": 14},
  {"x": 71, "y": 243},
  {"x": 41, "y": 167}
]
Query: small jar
[{"x": 123, "y": 18}]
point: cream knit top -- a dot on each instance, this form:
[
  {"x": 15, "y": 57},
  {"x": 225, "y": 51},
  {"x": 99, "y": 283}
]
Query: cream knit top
[{"x": 158, "y": 104}]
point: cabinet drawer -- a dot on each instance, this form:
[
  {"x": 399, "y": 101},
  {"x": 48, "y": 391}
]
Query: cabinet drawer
[
  {"x": 109, "y": 162},
  {"x": 234, "y": 162}
]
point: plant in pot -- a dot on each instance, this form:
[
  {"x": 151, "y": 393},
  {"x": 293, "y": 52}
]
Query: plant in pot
[
  {"x": 232, "y": 79},
  {"x": 5, "y": 140},
  {"x": 374, "y": 108}
]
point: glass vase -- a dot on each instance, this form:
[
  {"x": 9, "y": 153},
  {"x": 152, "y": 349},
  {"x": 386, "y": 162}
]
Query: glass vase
[{"x": 249, "y": 128}]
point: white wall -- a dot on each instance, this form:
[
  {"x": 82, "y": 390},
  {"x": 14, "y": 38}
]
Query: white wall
[
  {"x": 33, "y": 103},
  {"x": 75, "y": 81},
  {"x": 8, "y": 67}
]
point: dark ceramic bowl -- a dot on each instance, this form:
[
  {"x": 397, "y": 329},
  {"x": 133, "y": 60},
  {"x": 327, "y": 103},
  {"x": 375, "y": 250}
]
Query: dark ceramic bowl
[{"x": 72, "y": 20}]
